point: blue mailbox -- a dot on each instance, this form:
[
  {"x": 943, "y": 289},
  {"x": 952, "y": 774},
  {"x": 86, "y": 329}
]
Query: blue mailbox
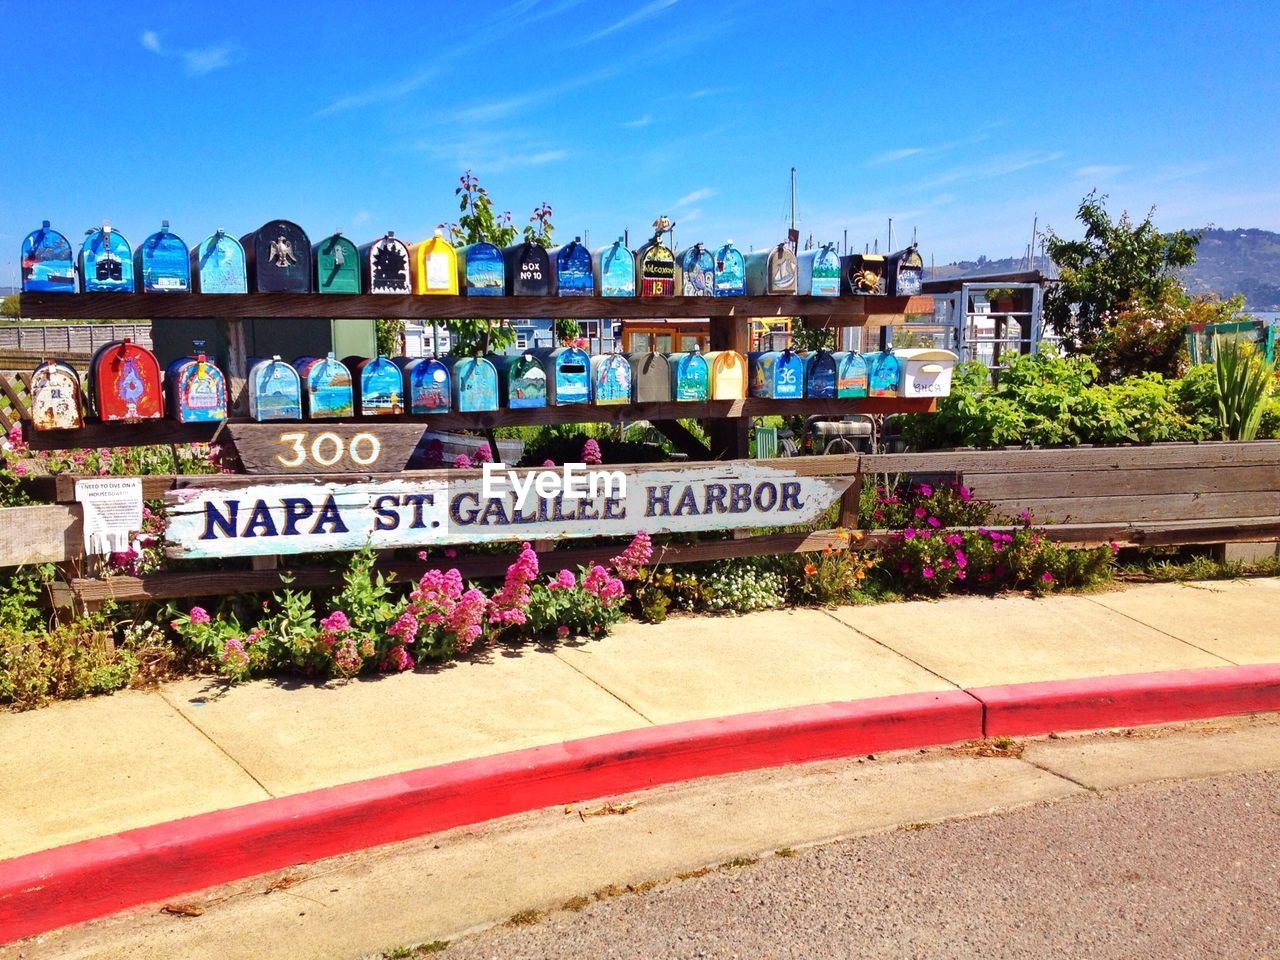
[
  {"x": 568, "y": 375},
  {"x": 162, "y": 263},
  {"x": 776, "y": 374},
  {"x": 695, "y": 272},
  {"x": 327, "y": 390},
  {"x": 690, "y": 378},
  {"x": 522, "y": 381},
  {"x": 614, "y": 270},
  {"x": 379, "y": 386},
  {"x": 275, "y": 391},
  {"x": 217, "y": 265},
  {"x": 481, "y": 271},
  {"x": 106, "y": 262},
  {"x": 731, "y": 271},
  {"x": 572, "y": 276},
  {"x": 475, "y": 384},
  {"x": 48, "y": 265},
  {"x": 820, "y": 375},
  {"x": 883, "y": 373},
  {"x": 851, "y": 375}
]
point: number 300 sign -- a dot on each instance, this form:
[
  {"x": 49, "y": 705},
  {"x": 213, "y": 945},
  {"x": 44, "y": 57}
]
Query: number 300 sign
[
  {"x": 324, "y": 448},
  {"x": 327, "y": 449}
]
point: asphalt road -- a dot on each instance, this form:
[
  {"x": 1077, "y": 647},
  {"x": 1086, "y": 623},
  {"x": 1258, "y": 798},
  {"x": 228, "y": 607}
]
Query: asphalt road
[{"x": 1161, "y": 871}]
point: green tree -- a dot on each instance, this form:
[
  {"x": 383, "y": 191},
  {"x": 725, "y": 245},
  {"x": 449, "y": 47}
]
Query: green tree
[
  {"x": 1117, "y": 263},
  {"x": 9, "y": 307}
]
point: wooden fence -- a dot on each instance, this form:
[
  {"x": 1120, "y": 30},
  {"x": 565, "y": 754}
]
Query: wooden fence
[{"x": 24, "y": 345}]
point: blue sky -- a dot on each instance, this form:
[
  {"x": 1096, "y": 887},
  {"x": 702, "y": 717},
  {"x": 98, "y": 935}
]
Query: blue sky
[{"x": 959, "y": 121}]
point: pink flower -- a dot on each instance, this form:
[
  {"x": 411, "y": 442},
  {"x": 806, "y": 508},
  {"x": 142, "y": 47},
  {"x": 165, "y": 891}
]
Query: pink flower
[
  {"x": 20, "y": 469},
  {"x": 397, "y": 659},
  {"x": 335, "y": 622},
  {"x": 509, "y": 603},
  {"x": 466, "y": 622},
  {"x": 919, "y": 512},
  {"x": 964, "y": 493},
  {"x": 562, "y": 631},
  {"x": 591, "y": 452},
  {"x": 346, "y": 658},
  {"x": 638, "y": 553},
  {"x": 564, "y": 580},
  {"x": 935, "y": 522},
  {"x": 482, "y": 454},
  {"x": 1046, "y": 577},
  {"x": 925, "y": 490},
  {"x": 961, "y": 559},
  {"x": 927, "y": 573},
  {"x": 450, "y": 553},
  {"x": 199, "y": 615},
  {"x": 548, "y": 462},
  {"x": 405, "y": 629},
  {"x": 909, "y": 533},
  {"x": 953, "y": 539},
  {"x": 234, "y": 658},
  {"x": 461, "y": 462}
]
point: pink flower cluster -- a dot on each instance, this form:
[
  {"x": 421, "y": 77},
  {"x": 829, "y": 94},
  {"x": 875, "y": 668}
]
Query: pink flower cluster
[
  {"x": 508, "y": 604},
  {"x": 235, "y": 659},
  {"x": 480, "y": 456},
  {"x": 638, "y": 554},
  {"x": 591, "y": 452},
  {"x": 564, "y": 580},
  {"x": 598, "y": 582},
  {"x": 438, "y": 601}
]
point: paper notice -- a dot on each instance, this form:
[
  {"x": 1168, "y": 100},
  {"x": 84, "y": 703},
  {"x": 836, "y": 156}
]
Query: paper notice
[
  {"x": 437, "y": 271},
  {"x": 112, "y": 512}
]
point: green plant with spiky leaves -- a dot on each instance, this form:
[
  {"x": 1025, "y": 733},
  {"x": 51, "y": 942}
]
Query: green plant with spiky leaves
[{"x": 1244, "y": 381}]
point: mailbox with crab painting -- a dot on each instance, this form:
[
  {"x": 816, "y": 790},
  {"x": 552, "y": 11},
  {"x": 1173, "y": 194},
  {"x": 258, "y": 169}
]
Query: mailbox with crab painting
[
  {"x": 426, "y": 384},
  {"x": 614, "y": 270},
  {"x": 905, "y": 272},
  {"x": 528, "y": 270},
  {"x": 820, "y": 375},
  {"x": 728, "y": 372},
  {"x": 379, "y": 386},
  {"x": 55, "y": 397},
  {"x": 337, "y": 266},
  {"x": 572, "y": 276},
  {"x": 197, "y": 389},
  {"x": 568, "y": 375},
  {"x": 771, "y": 272},
  {"x": 695, "y": 272},
  {"x": 275, "y": 391},
  {"x": 851, "y": 375},
  {"x": 217, "y": 265},
  {"x": 481, "y": 271},
  {"x": 655, "y": 270},
  {"x": 776, "y": 374},
  {"x": 522, "y": 381},
  {"x": 819, "y": 272},
  {"x": 327, "y": 391},
  {"x": 731, "y": 271},
  {"x": 883, "y": 373},
  {"x": 125, "y": 383},
  {"x": 48, "y": 265},
  {"x": 610, "y": 379},
  {"x": 278, "y": 258},
  {"x": 650, "y": 377},
  {"x": 106, "y": 262},
  {"x": 433, "y": 266},
  {"x": 475, "y": 384},
  {"x": 862, "y": 274},
  {"x": 162, "y": 263},
  {"x": 384, "y": 265},
  {"x": 689, "y": 376}
]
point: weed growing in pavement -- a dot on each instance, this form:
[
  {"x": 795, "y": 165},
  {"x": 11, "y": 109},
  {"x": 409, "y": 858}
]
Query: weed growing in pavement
[
  {"x": 739, "y": 862},
  {"x": 525, "y": 918},
  {"x": 576, "y": 904},
  {"x": 784, "y": 852},
  {"x": 1185, "y": 565},
  {"x": 421, "y": 950}
]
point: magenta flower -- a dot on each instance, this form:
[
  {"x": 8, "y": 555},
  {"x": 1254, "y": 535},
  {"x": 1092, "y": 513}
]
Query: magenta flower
[
  {"x": 199, "y": 615},
  {"x": 935, "y": 522},
  {"x": 909, "y": 533},
  {"x": 927, "y": 573},
  {"x": 964, "y": 493},
  {"x": 335, "y": 622},
  {"x": 548, "y": 462},
  {"x": 234, "y": 658},
  {"x": 1046, "y": 577},
  {"x": 461, "y": 462},
  {"x": 925, "y": 490},
  {"x": 961, "y": 560},
  {"x": 919, "y": 512},
  {"x": 591, "y": 452},
  {"x": 562, "y": 631},
  {"x": 638, "y": 553},
  {"x": 346, "y": 658},
  {"x": 482, "y": 454},
  {"x": 564, "y": 580}
]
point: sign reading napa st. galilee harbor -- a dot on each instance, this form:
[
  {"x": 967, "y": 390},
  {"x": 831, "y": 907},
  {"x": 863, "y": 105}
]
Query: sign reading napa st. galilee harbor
[{"x": 496, "y": 506}]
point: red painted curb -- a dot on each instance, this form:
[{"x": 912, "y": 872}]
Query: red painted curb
[
  {"x": 1128, "y": 700},
  {"x": 50, "y": 889}
]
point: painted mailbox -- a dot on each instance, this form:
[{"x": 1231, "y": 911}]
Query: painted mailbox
[
  {"x": 337, "y": 263},
  {"x": 48, "y": 265},
  {"x": 614, "y": 270},
  {"x": 696, "y": 272},
  {"x": 528, "y": 270},
  {"x": 771, "y": 271},
  {"x": 106, "y": 263},
  {"x": 655, "y": 270},
  {"x": 379, "y": 386},
  {"x": 727, "y": 370},
  {"x": 55, "y": 397},
  {"x": 689, "y": 376},
  {"x": 275, "y": 391},
  {"x": 572, "y": 276},
  {"x": 522, "y": 381},
  {"x": 862, "y": 274},
  {"x": 475, "y": 384},
  {"x": 650, "y": 377},
  {"x": 819, "y": 272},
  {"x": 327, "y": 391},
  {"x": 125, "y": 383},
  {"x": 384, "y": 265},
  {"x": 883, "y": 373},
  {"x": 610, "y": 379},
  {"x": 851, "y": 375},
  {"x": 926, "y": 372},
  {"x": 776, "y": 374},
  {"x": 197, "y": 389},
  {"x": 481, "y": 272},
  {"x": 820, "y": 375},
  {"x": 904, "y": 272},
  {"x": 568, "y": 375},
  {"x": 433, "y": 266},
  {"x": 162, "y": 263},
  {"x": 426, "y": 385},
  {"x": 217, "y": 265},
  {"x": 731, "y": 271},
  {"x": 278, "y": 258}
]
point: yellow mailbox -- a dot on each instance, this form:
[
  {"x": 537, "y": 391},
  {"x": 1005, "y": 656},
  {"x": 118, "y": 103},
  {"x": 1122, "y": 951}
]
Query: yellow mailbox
[
  {"x": 434, "y": 266},
  {"x": 728, "y": 371}
]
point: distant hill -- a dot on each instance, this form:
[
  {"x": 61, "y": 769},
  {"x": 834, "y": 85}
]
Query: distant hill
[{"x": 1228, "y": 262}]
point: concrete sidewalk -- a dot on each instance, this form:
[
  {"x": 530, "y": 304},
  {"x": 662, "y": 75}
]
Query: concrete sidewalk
[{"x": 80, "y": 770}]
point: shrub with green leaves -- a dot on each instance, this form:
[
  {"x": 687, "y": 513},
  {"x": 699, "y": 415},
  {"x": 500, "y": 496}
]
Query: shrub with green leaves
[{"x": 1244, "y": 383}]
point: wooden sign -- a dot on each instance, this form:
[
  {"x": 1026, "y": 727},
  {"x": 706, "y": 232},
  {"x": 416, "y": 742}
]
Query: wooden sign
[
  {"x": 323, "y": 447},
  {"x": 290, "y": 518}
]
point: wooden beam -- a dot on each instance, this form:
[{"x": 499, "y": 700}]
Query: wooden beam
[
  {"x": 1078, "y": 458},
  {"x": 683, "y": 438},
  {"x": 40, "y": 534}
]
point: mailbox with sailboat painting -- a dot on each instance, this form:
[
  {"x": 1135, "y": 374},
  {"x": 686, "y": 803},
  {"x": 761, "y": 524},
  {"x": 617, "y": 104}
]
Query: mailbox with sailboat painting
[
  {"x": 690, "y": 380},
  {"x": 655, "y": 269},
  {"x": 851, "y": 375},
  {"x": 125, "y": 383},
  {"x": 337, "y": 265},
  {"x": 475, "y": 384},
  {"x": 695, "y": 272},
  {"x": 426, "y": 385},
  {"x": 905, "y": 272},
  {"x": 275, "y": 391},
  {"x": 776, "y": 374},
  {"x": 568, "y": 375},
  {"x": 820, "y": 375},
  {"x": 433, "y": 265},
  {"x": 327, "y": 391},
  {"x": 862, "y": 274},
  {"x": 522, "y": 381},
  {"x": 106, "y": 262},
  {"x": 217, "y": 265},
  {"x": 572, "y": 275},
  {"x": 731, "y": 271},
  {"x": 480, "y": 270},
  {"x": 384, "y": 265},
  {"x": 610, "y": 379},
  {"x": 650, "y": 377},
  {"x": 819, "y": 272},
  {"x": 771, "y": 272},
  {"x": 162, "y": 263},
  {"x": 614, "y": 270},
  {"x": 197, "y": 389},
  {"x": 883, "y": 373},
  {"x": 278, "y": 258},
  {"x": 528, "y": 269},
  {"x": 379, "y": 386},
  {"x": 728, "y": 372},
  {"x": 55, "y": 397},
  {"x": 48, "y": 263}
]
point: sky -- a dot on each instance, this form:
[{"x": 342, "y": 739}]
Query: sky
[{"x": 962, "y": 123}]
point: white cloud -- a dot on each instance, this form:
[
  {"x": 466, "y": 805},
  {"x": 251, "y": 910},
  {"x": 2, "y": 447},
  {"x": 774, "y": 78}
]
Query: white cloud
[
  {"x": 690, "y": 198},
  {"x": 199, "y": 62},
  {"x": 390, "y": 91},
  {"x": 1102, "y": 171},
  {"x": 639, "y": 121},
  {"x": 150, "y": 40},
  {"x": 644, "y": 13},
  {"x": 893, "y": 156}
]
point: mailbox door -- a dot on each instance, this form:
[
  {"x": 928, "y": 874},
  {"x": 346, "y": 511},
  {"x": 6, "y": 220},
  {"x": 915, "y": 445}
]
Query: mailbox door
[
  {"x": 427, "y": 384},
  {"x": 614, "y": 268},
  {"x": 820, "y": 376},
  {"x": 126, "y": 383},
  {"x": 819, "y": 272},
  {"x": 906, "y": 273},
  {"x": 275, "y": 391},
  {"x": 48, "y": 263},
  {"x": 611, "y": 379},
  {"x": 730, "y": 269},
  {"x": 278, "y": 257},
  {"x": 524, "y": 382},
  {"x": 851, "y": 375},
  {"x": 788, "y": 383},
  {"x": 728, "y": 371},
  {"x": 572, "y": 276},
  {"x": 328, "y": 389},
  {"x": 434, "y": 266},
  {"x": 217, "y": 265},
  {"x": 106, "y": 263},
  {"x": 572, "y": 372},
  {"x": 862, "y": 274},
  {"x": 381, "y": 388},
  {"x": 384, "y": 264},
  {"x": 475, "y": 385},
  {"x": 650, "y": 377},
  {"x": 697, "y": 272},
  {"x": 337, "y": 265},
  {"x": 782, "y": 270},
  {"x": 163, "y": 263},
  {"x": 656, "y": 271},
  {"x": 528, "y": 270},
  {"x": 55, "y": 397},
  {"x": 480, "y": 270},
  {"x": 883, "y": 372},
  {"x": 199, "y": 393},
  {"x": 689, "y": 371}
]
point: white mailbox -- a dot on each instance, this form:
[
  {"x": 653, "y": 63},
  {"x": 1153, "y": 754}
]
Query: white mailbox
[{"x": 926, "y": 371}]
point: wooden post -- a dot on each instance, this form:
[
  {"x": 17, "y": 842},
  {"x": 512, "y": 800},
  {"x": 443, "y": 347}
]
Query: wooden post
[
  {"x": 851, "y": 502},
  {"x": 237, "y": 368}
]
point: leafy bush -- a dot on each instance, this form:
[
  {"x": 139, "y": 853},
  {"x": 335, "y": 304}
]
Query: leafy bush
[{"x": 1244, "y": 381}]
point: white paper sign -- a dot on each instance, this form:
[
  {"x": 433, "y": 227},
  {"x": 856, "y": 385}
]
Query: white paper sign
[{"x": 112, "y": 512}]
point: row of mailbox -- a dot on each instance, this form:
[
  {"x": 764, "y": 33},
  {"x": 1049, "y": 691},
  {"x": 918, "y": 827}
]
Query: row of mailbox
[
  {"x": 279, "y": 257},
  {"x": 125, "y": 382}
]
